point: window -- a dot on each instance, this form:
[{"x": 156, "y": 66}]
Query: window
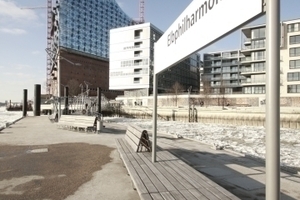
[
  {"x": 137, "y": 53},
  {"x": 258, "y": 67},
  {"x": 294, "y": 64},
  {"x": 247, "y": 90},
  {"x": 136, "y": 80},
  {"x": 258, "y": 33},
  {"x": 137, "y": 34},
  {"x": 259, "y": 90},
  {"x": 259, "y": 55},
  {"x": 295, "y": 51},
  {"x": 258, "y": 44},
  {"x": 293, "y": 89},
  {"x": 295, "y": 39},
  {"x": 293, "y": 27},
  {"x": 137, "y": 44},
  {"x": 295, "y": 76}
]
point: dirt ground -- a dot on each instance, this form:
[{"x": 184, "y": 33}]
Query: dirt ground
[{"x": 48, "y": 171}]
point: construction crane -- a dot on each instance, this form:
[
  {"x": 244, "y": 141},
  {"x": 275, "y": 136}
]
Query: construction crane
[
  {"x": 49, "y": 26},
  {"x": 142, "y": 13}
]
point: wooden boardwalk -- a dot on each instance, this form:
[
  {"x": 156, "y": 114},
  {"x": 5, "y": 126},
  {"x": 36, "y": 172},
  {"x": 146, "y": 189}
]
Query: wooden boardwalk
[{"x": 169, "y": 178}]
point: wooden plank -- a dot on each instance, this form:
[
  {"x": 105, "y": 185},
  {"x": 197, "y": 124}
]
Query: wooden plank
[
  {"x": 137, "y": 180},
  {"x": 146, "y": 196},
  {"x": 186, "y": 171},
  {"x": 157, "y": 196},
  {"x": 187, "y": 195},
  {"x": 177, "y": 195},
  {"x": 167, "y": 196},
  {"x": 177, "y": 175},
  {"x": 154, "y": 179},
  {"x": 207, "y": 193},
  {"x": 194, "y": 172},
  {"x": 217, "y": 193},
  {"x": 160, "y": 175},
  {"x": 131, "y": 143},
  {"x": 133, "y": 137},
  {"x": 177, "y": 184},
  {"x": 144, "y": 178},
  {"x": 197, "y": 194}
]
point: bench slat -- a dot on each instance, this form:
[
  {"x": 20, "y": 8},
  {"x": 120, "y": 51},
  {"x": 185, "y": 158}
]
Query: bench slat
[
  {"x": 169, "y": 178},
  {"x": 147, "y": 182},
  {"x": 138, "y": 183},
  {"x": 161, "y": 174}
]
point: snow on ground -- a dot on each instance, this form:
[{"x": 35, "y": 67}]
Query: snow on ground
[
  {"x": 8, "y": 116},
  {"x": 249, "y": 140}
]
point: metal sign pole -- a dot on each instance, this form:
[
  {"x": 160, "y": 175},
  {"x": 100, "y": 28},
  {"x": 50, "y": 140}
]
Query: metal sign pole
[
  {"x": 273, "y": 100},
  {"x": 154, "y": 116}
]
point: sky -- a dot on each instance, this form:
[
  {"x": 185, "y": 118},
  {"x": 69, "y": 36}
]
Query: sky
[{"x": 23, "y": 36}]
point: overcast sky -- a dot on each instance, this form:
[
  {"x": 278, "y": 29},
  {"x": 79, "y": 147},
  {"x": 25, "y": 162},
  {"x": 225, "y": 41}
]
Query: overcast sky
[{"x": 23, "y": 38}]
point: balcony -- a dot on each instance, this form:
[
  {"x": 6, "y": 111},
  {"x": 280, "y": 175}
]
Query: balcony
[
  {"x": 249, "y": 59},
  {"x": 247, "y": 41},
  {"x": 251, "y": 71},
  {"x": 248, "y": 82}
]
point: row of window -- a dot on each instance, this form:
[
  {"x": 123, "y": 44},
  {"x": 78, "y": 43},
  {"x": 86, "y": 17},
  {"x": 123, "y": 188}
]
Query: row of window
[
  {"x": 128, "y": 63},
  {"x": 254, "y": 90},
  {"x": 293, "y": 27},
  {"x": 295, "y": 39},
  {"x": 294, "y": 51}
]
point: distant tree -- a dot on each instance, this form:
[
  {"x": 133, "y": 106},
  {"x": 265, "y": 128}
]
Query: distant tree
[
  {"x": 176, "y": 89},
  {"x": 74, "y": 88},
  {"x": 207, "y": 90},
  {"x": 222, "y": 92}
]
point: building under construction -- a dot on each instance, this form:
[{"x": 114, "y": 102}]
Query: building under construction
[{"x": 78, "y": 45}]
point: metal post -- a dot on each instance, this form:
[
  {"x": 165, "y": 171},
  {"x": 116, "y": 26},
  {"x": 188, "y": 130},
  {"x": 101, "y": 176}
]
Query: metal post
[
  {"x": 37, "y": 100},
  {"x": 24, "y": 103},
  {"x": 58, "y": 85},
  {"x": 99, "y": 121},
  {"x": 272, "y": 100},
  {"x": 154, "y": 117},
  {"x": 189, "y": 107},
  {"x": 66, "y": 94},
  {"x": 99, "y": 99}
]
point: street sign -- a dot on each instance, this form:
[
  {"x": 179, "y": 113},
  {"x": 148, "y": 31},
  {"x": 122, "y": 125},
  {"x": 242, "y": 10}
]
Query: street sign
[{"x": 200, "y": 24}]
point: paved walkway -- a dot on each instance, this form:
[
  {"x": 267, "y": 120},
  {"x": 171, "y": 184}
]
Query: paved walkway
[
  {"x": 40, "y": 161},
  {"x": 242, "y": 176}
]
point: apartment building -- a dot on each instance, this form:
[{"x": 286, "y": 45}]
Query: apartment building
[
  {"x": 131, "y": 64},
  {"x": 242, "y": 73}
]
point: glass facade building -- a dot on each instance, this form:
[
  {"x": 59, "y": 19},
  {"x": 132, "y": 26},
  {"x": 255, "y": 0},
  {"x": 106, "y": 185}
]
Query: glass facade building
[
  {"x": 84, "y": 25},
  {"x": 80, "y": 29}
]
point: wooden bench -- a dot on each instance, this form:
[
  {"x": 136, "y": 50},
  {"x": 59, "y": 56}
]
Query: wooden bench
[
  {"x": 169, "y": 177},
  {"x": 77, "y": 122},
  {"x": 137, "y": 138}
]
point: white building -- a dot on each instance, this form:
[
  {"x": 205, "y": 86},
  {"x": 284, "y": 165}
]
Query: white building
[
  {"x": 249, "y": 74},
  {"x": 131, "y": 56},
  {"x": 131, "y": 64}
]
